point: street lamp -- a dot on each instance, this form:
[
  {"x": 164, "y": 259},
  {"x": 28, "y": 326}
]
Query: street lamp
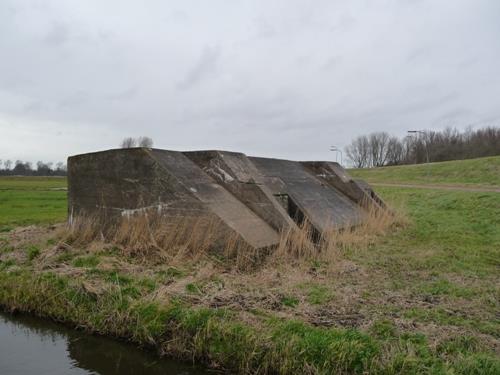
[
  {"x": 336, "y": 149},
  {"x": 426, "y": 147}
]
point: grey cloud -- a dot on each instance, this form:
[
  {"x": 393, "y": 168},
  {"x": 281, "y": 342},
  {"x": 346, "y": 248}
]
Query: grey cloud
[
  {"x": 264, "y": 29},
  {"x": 433, "y": 100},
  {"x": 127, "y": 94},
  {"x": 332, "y": 62},
  {"x": 58, "y": 34},
  {"x": 204, "y": 66},
  {"x": 76, "y": 99},
  {"x": 179, "y": 16},
  {"x": 419, "y": 54},
  {"x": 35, "y": 106},
  {"x": 451, "y": 116},
  {"x": 280, "y": 78},
  {"x": 344, "y": 23}
]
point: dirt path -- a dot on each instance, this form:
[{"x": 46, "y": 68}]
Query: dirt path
[{"x": 492, "y": 189}]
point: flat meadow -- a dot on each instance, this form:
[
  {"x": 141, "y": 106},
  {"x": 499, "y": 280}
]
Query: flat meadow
[{"x": 31, "y": 200}]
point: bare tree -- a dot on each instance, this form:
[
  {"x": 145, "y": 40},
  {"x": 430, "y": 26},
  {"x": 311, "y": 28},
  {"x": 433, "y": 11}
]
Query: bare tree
[
  {"x": 358, "y": 152},
  {"x": 408, "y": 146},
  {"x": 378, "y": 148},
  {"x": 145, "y": 142},
  {"x": 395, "y": 151},
  {"x": 7, "y": 164},
  {"x": 128, "y": 142},
  {"x": 61, "y": 167}
]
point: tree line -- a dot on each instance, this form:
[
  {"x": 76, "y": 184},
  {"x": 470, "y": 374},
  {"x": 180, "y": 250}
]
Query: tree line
[
  {"x": 380, "y": 148},
  {"x": 21, "y": 168}
]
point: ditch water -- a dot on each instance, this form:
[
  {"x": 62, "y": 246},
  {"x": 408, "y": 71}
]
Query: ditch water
[{"x": 30, "y": 346}]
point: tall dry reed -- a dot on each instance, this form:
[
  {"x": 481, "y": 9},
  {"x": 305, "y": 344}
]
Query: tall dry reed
[
  {"x": 304, "y": 243},
  {"x": 156, "y": 237}
]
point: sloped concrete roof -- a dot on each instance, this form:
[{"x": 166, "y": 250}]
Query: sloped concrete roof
[{"x": 256, "y": 198}]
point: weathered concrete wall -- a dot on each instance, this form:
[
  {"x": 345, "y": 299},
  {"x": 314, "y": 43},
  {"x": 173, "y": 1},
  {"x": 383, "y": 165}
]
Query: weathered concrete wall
[
  {"x": 338, "y": 178},
  {"x": 324, "y": 206},
  {"x": 117, "y": 182},
  {"x": 124, "y": 181},
  {"x": 255, "y": 198},
  {"x": 236, "y": 173},
  {"x": 255, "y": 231}
]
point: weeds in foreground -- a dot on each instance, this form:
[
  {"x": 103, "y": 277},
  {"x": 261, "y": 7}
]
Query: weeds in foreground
[{"x": 219, "y": 337}]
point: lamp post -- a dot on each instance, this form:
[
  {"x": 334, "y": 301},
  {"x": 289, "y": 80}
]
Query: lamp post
[
  {"x": 336, "y": 149},
  {"x": 426, "y": 148}
]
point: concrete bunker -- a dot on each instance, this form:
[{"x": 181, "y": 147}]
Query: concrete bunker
[{"x": 253, "y": 198}]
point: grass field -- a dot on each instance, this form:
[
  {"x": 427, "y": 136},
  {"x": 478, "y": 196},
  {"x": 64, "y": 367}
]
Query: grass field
[
  {"x": 31, "y": 200},
  {"x": 423, "y": 299},
  {"x": 472, "y": 172}
]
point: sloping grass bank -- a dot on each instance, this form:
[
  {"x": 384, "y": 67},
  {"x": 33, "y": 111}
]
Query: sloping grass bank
[
  {"x": 471, "y": 172},
  {"x": 215, "y": 336},
  {"x": 219, "y": 337}
]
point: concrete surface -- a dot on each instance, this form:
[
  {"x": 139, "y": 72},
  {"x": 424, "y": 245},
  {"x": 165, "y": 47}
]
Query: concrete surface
[{"x": 254, "y": 198}]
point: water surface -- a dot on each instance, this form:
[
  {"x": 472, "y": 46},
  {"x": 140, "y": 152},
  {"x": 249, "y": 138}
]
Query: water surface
[{"x": 33, "y": 346}]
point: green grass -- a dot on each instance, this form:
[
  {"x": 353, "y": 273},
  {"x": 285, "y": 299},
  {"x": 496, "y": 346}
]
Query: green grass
[
  {"x": 216, "y": 335},
  {"x": 443, "y": 287},
  {"x": 289, "y": 301},
  {"x": 90, "y": 261},
  {"x": 284, "y": 346},
  {"x": 31, "y": 200},
  {"x": 481, "y": 171},
  {"x": 442, "y": 316},
  {"x": 452, "y": 231},
  {"x": 32, "y": 251},
  {"x": 193, "y": 288},
  {"x": 317, "y": 294},
  {"x": 173, "y": 272},
  {"x": 32, "y": 183}
]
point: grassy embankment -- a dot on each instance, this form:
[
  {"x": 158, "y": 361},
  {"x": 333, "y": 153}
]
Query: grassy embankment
[
  {"x": 422, "y": 299},
  {"x": 473, "y": 172}
]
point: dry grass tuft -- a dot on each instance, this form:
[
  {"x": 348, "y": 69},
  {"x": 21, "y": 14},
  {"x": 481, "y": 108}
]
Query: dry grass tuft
[
  {"x": 154, "y": 237},
  {"x": 297, "y": 242},
  {"x": 375, "y": 222},
  {"x": 150, "y": 235},
  {"x": 303, "y": 243},
  {"x": 158, "y": 238}
]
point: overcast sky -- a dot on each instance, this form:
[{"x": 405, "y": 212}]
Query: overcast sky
[{"x": 268, "y": 78}]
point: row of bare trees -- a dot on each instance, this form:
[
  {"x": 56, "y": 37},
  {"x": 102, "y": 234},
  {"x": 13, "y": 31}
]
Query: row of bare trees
[
  {"x": 21, "y": 168},
  {"x": 130, "y": 142},
  {"x": 380, "y": 148}
]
